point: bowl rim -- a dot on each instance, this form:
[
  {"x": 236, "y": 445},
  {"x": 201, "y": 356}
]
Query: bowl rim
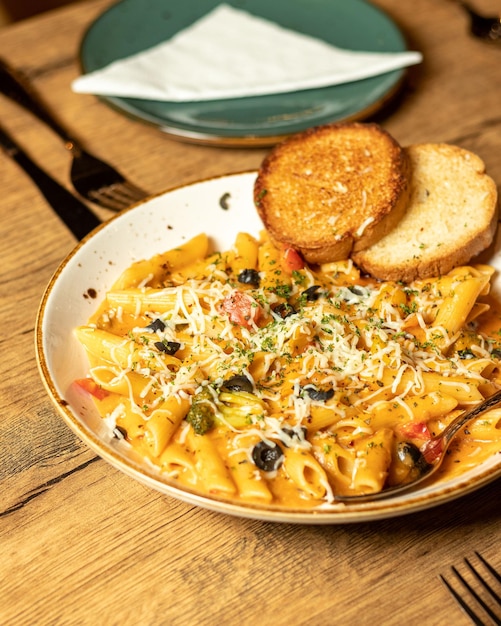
[{"x": 145, "y": 473}]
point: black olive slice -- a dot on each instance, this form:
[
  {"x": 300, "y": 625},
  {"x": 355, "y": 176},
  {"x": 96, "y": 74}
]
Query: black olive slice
[
  {"x": 320, "y": 395},
  {"x": 284, "y": 309},
  {"x": 311, "y": 294},
  {"x": 119, "y": 432},
  {"x": 249, "y": 277},
  {"x": 224, "y": 201},
  {"x": 357, "y": 290},
  {"x": 169, "y": 347},
  {"x": 466, "y": 354},
  {"x": 237, "y": 383},
  {"x": 267, "y": 457},
  {"x": 411, "y": 456},
  {"x": 155, "y": 325},
  {"x": 352, "y": 293},
  {"x": 296, "y": 434}
]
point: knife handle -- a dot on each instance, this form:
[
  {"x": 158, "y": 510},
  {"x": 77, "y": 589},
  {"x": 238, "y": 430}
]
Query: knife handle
[
  {"x": 16, "y": 87},
  {"x": 75, "y": 214}
]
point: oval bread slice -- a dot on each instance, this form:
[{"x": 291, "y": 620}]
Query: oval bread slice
[
  {"x": 451, "y": 217},
  {"x": 333, "y": 189}
]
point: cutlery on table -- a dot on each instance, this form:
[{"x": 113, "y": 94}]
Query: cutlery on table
[
  {"x": 481, "y": 26},
  {"x": 486, "y": 580},
  {"x": 92, "y": 178},
  {"x": 75, "y": 214}
]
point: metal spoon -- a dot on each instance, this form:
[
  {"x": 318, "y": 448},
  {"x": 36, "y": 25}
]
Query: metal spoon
[
  {"x": 425, "y": 461},
  {"x": 488, "y": 28}
]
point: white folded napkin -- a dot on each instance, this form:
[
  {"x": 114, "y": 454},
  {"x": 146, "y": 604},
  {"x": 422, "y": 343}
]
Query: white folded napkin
[{"x": 230, "y": 53}]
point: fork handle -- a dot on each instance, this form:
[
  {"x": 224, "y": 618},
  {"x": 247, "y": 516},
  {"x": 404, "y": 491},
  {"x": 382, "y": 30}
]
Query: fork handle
[
  {"x": 16, "y": 87},
  {"x": 75, "y": 214}
]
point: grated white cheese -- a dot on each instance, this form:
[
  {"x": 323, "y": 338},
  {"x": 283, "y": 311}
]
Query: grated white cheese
[{"x": 345, "y": 341}]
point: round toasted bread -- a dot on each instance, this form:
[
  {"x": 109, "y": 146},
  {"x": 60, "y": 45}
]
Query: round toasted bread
[
  {"x": 451, "y": 217},
  {"x": 333, "y": 189}
]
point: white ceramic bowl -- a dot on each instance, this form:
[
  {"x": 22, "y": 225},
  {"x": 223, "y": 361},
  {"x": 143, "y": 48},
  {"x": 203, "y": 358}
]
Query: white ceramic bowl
[{"x": 221, "y": 207}]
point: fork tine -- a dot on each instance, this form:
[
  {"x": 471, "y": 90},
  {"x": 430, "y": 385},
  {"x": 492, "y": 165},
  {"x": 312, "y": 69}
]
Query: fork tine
[
  {"x": 106, "y": 200},
  {"x": 480, "y": 600},
  {"x": 496, "y": 574},
  {"x": 88, "y": 174},
  {"x": 459, "y": 599},
  {"x": 134, "y": 191},
  {"x": 481, "y": 580},
  {"x": 125, "y": 190},
  {"x": 117, "y": 196},
  {"x": 471, "y": 614}
]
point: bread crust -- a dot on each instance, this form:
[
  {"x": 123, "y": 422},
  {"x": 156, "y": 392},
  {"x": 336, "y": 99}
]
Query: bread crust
[
  {"x": 333, "y": 189},
  {"x": 452, "y": 216}
]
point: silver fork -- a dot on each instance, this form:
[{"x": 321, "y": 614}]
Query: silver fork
[
  {"x": 489, "y": 601},
  {"x": 484, "y": 27},
  {"x": 92, "y": 178}
]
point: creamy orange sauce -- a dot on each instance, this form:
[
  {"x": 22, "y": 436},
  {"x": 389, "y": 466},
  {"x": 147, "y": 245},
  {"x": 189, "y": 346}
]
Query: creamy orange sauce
[{"x": 323, "y": 437}]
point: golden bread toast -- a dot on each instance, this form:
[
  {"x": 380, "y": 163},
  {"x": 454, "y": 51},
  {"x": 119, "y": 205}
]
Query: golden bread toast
[
  {"x": 451, "y": 217},
  {"x": 333, "y": 189}
]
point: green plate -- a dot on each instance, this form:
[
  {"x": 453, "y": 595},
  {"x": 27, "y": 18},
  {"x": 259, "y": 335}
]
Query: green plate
[{"x": 135, "y": 25}]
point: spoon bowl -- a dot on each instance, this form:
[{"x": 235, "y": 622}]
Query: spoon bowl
[{"x": 424, "y": 462}]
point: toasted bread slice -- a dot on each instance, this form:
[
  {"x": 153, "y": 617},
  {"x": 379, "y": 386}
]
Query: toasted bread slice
[
  {"x": 333, "y": 189},
  {"x": 451, "y": 217}
]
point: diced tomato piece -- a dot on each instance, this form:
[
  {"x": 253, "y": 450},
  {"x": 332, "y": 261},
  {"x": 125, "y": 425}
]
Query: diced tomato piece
[
  {"x": 293, "y": 261},
  {"x": 241, "y": 309},
  {"x": 416, "y": 430},
  {"x": 90, "y": 386},
  {"x": 432, "y": 449}
]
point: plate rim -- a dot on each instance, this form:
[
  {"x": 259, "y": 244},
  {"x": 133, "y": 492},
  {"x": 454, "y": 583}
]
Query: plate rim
[
  {"x": 421, "y": 499},
  {"x": 236, "y": 140}
]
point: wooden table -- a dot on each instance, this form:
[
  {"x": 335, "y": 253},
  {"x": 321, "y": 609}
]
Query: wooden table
[{"x": 84, "y": 544}]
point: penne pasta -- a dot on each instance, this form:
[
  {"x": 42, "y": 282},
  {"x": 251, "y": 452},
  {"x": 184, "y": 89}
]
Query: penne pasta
[
  {"x": 372, "y": 461},
  {"x": 246, "y": 253},
  {"x": 247, "y": 375},
  {"x": 139, "y": 301},
  {"x": 163, "y": 422},
  {"x": 337, "y": 460},
  {"x": 250, "y": 481},
  {"x": 306, "y": 472},
  {"x": 153, "y": 271},
  {"x": 178, "y": 462},
  {"x": 211, "y": 470}
]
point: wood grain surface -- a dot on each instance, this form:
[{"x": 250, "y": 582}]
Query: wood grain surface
[{"x": 82, "y": 543}]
